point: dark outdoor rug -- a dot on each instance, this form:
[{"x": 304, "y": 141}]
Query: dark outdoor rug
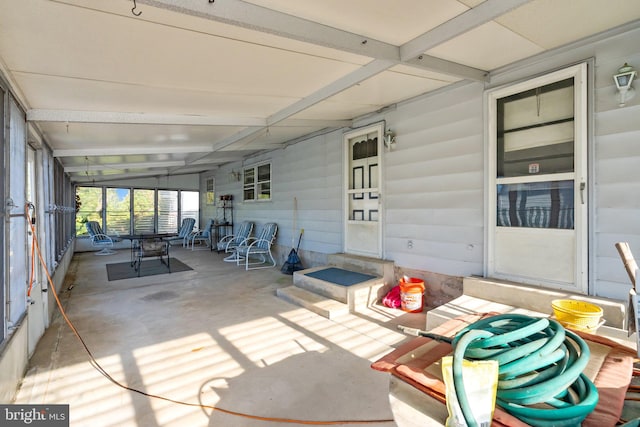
[
  {"x": 339, "y": 276},
  {"x": 150, "y": 267}
]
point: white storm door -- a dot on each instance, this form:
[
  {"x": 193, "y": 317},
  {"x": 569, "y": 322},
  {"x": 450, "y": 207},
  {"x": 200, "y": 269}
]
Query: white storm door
[
  {"x": 537, "y": 231},
  {"x": 362, "y": 195}
]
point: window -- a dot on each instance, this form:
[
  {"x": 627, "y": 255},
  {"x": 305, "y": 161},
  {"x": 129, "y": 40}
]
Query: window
[
  {"x": 118, "y": 210},
  {"x": 189, "y": 205},
  {"x": 257, "y": 182},
  {"x": 211, "y": 191},
  {"x": 90, "y": 208},
  {"x": 144, "y": 214},
  {"x": 148, "y": 211},
  {"x": 167, "y": 211}
]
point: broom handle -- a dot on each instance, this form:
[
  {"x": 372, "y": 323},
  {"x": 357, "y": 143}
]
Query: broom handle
[
  {"x": 299, "y": 239},
  {"x": 627, "y": 259},
  {"x": 295, "y": 214}
]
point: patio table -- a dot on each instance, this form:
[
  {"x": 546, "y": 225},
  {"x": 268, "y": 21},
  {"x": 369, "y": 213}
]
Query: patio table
[{"x": 136, "y": 238}]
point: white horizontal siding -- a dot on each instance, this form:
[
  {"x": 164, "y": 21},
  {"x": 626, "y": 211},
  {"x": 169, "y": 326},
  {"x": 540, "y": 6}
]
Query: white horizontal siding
[
  {"x": 433, "y": 191},
  {"x": 310, "y": 171},
  {"x": 617, "y": 178}
]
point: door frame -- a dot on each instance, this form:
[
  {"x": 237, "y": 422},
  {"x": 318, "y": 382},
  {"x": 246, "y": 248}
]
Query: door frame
[
  {"x": 378, "y": 250},
  {"x": 582, "y": 173}
]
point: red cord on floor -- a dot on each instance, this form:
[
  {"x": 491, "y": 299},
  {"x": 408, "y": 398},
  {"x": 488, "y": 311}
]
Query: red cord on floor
[{"x": 100, "y": 369}]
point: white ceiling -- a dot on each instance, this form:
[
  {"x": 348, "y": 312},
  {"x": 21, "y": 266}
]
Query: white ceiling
[{"x": 189, "y": 85}]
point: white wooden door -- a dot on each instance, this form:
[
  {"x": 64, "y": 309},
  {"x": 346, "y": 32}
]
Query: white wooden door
[
  {"x": 537, "y": 176},
  {"x": 362, "y": 195}
]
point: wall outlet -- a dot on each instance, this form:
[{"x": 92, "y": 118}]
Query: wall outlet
[{"x": 410, "y": 244}]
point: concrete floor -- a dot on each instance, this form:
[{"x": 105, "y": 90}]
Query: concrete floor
[{"x": 216, "y": 335}]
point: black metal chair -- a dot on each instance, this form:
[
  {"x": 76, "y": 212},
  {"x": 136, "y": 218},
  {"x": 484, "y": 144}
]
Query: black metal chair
[{"x": 149, "y": 248}]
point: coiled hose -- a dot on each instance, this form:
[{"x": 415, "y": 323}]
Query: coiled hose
[{"x": 540, "y": 363}]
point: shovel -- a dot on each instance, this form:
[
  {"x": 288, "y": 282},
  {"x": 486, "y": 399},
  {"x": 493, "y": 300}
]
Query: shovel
[{"x": 293, "y": 262}]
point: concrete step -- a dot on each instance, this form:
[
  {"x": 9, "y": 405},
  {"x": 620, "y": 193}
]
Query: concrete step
[
  {"x": 374, "y": 266},
  {"x": 351, "y": 295},
  {"x": 319, "y": 304},
  {"x": 467, "y": 304},
  {"x": 538, "y": 299},
  {"x": 483, "y": 295}
]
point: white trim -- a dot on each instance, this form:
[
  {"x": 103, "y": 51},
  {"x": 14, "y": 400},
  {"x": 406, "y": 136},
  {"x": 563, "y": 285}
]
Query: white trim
[{"x": 536, "y": 178}]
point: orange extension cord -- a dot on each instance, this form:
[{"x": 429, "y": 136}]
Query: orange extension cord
[{"x": 100, "y": 369}]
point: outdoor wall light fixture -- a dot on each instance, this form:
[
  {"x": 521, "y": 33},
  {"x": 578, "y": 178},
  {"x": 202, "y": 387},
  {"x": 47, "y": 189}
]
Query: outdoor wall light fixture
[
  {"x": 623, "y": 80},
  {"x": 389, "y": 139},
  {"x": 234, "y": 176}
]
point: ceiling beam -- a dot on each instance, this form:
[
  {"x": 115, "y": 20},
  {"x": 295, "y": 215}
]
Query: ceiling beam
[
  {"x": 249, "y": 134},
  {"x": 353, "y": 78},
  {"x": 115, "y": 177},
  {"x": 69, "y": 116},
  {"x": 472, "y": 18},
  {"x": 114, "y": 151},
  {"x": 258, "y": 18},
  {"x": 119, "y": 166},
  {"x": 313, "y": 123},
  {"x": 151, "y": 174},
  {"x": 432, "y": 63},
  {"x": 361, "y": 74}
]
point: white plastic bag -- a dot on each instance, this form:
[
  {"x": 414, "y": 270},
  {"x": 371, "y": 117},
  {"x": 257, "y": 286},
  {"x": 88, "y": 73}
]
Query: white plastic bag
[{"x": 480, "y": 382}]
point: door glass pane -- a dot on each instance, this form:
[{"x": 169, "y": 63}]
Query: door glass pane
[
  {"x": 143, "y": 211},
  {"x": 535, "y": 131},
  {"x": 167, "y": 211},
  {"x": 536, "y": 205},
  {"x": 118, "y": 210}
]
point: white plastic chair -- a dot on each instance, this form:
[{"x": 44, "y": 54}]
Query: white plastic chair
[
  {"x": 201, "y": 236},
  {"x": 258, "y": 248},
  {"x": 99, "y": 239},
  {"x": 185, "y": 231},
  {"x": 230, "y": 242}
]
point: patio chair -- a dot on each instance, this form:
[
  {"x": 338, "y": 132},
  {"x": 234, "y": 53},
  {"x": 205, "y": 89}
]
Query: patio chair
[
  {"x": 152, "y": 248},
  {"x": 230, "y": 242},
  {"x": 183, "y": 234},
  {"x": 201, "y": 236},
  {"x": 99, "y": 239},
  {"x": 258, "y": 249}
]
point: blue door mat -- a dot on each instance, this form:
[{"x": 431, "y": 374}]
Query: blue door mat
[{"x": 339, "y": 276}]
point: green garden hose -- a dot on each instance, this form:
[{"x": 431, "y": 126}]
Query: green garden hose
[{"x": 540, "y": 363}]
